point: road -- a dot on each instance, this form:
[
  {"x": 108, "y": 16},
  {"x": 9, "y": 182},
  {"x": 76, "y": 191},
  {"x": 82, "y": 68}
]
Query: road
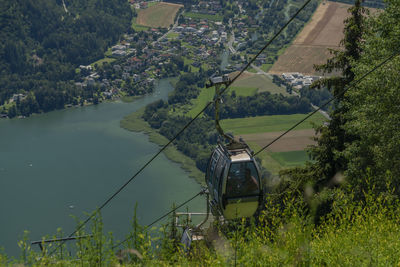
[
  {"x": 231, "y": 39},
  {"x": 260, "y": 71},
  {"x": 65, "y": 7},
  {"x": 324, "y": 113}
]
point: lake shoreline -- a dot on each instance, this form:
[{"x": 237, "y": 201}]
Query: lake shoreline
[{"x": 135, "y": 123}]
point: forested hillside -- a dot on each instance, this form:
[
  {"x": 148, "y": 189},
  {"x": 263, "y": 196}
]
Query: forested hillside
[{"x": 43, "y": 42}]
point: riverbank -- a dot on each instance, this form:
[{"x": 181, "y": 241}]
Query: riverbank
[{"x": 135, "y": 123}]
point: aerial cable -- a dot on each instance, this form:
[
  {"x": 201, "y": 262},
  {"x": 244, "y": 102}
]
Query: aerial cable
[
  {"x": 163, "y": 216},
  {"x": 186, "y": 126},
  {"x": 267, "y": 44},
  {"x": 352, "y": 84}
]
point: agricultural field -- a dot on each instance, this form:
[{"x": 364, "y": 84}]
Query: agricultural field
[
  {"x": 287, "y": 151},
  {"x": 261, "y": 82},
  {"x": 159, "y": 15},
  {"x": 203, "y": 16},
  {"x": 274, "y": 123},
  {"x": 290, "y": 158},
  {"x": 325, "y": 30},
  {"x": 246, "y": 85}
]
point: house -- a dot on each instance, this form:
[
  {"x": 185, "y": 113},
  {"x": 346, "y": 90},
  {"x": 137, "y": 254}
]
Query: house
[
  {"x": 83, "y": 67},
  {"x": 178, "y": 29},
  {"x": 18, "y": 97},
  {"x": 90, "y": 81},
  {"x": 224, "y": 36},
  {"x": 118, "y": 47},
  {"x": 118, "y": 53}
]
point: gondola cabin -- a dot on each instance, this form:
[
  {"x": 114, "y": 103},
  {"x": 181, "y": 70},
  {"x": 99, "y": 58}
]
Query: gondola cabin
[{"x": 234, "y": 183}]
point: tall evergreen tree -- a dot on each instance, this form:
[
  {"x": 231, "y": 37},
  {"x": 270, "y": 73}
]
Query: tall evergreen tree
[{"x": 331, "y": 141}]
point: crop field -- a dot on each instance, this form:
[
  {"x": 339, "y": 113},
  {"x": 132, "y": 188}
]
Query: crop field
[
  {"x": 325, "y": 30},
  {"x": 287, "y": 151},
  {"x": 290, "y": 158},
  {"x": 159, "y": 15},
  {"x": 293, "y": 141},
  {"x": 266, "y": 124}
]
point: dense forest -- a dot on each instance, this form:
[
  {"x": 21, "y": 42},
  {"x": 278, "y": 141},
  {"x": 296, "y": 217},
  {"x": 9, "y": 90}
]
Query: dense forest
[{"x": 45, "y": 41}]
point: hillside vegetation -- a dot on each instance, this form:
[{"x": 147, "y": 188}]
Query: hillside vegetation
[{"x": 43, "y": 43}]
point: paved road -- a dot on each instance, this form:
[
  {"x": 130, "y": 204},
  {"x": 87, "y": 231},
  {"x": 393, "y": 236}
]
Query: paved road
[
  {"x": 260, "y": 71},
  {"x": 324, "y": 113}
]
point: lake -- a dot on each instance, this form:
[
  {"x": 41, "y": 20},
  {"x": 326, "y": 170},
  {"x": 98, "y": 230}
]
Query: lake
[{"x": 64, "y": 163}]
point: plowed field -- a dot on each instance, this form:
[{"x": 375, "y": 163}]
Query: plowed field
[
  {"x": 325, "y": 30},
  {"x": 159, "y": 15}
]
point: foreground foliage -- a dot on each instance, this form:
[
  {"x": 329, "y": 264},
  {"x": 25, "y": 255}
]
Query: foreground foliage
[{"x": 354, "y": 234}]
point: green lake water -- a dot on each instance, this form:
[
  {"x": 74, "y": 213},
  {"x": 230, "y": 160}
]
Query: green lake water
[{"x": 69, "y": 162}]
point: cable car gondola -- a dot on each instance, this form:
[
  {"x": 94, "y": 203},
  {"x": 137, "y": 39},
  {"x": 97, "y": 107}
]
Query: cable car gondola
[{"x": 232, "y": 177}]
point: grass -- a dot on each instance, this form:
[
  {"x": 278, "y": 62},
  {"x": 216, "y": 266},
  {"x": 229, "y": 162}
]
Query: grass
[
  {"x": 150, "y": 4},
  {"x": 262, "y": 83},
  {"x": 207, "y": 94},
  {"x": 266, "y": 67},
  {"x": 203, "y": 16},
  {"x": 354, "y": 233},
  {"x": 290, "y": 158},
  {"x": 252, "y": 70},
  {"x": 243, "y": 91},
  {"x": 100, "y": 62},
  {"x": 134, "y": 122},
  {"x": 138, "y": 27},
  {"x": 172, "y": 35},
  {"x": 129, "y": 99},
  {"x": 273, "y": 123}
]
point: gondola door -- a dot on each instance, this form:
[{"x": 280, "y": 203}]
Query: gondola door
[
  {"x": 241, "y": 197},
  {"x": 218, "y": 176}
]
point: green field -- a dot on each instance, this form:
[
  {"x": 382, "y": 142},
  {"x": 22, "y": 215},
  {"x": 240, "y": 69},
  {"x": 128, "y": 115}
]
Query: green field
[
  {"x": 138, "y": 27},
  {"x": 207, "y": 94},
  {"x": 273, "y": 123},
  {"x": 101, "y": 61},
  {"x": 266, "y": 67},
  {"x": 203, "y": 16},
  {"x": 172, "y": 35},
  {"x": 243, "y": 91},
  {"x": 290, "y": 158},
  {"x": 262, "y": 83}
]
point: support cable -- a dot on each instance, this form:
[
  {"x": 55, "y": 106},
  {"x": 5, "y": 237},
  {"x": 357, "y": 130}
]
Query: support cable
[
  {"x": 186, "y": 126},
  {"x": 352, "y": 84},
  {"x": 162, "y": 217}
]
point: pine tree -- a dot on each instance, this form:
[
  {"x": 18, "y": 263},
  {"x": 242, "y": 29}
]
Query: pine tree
[{"x": 332, "y": 139}]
